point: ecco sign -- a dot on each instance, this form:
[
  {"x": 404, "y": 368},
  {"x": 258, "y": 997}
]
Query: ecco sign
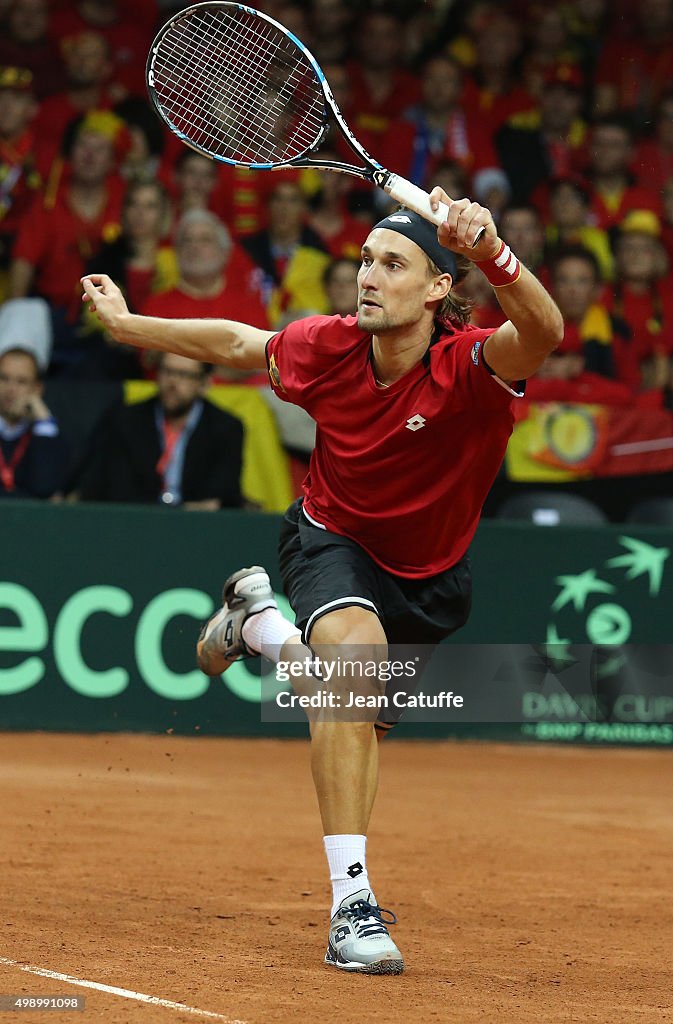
[{"x": 30, "y": 637}]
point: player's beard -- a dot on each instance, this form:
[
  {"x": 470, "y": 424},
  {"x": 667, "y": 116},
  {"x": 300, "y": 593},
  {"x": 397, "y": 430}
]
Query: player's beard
[{"x": 377, "y": 321}]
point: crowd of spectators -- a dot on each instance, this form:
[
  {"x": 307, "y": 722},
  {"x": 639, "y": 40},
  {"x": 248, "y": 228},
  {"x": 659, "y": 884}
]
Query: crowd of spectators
[{"x": 557, "y": 115}]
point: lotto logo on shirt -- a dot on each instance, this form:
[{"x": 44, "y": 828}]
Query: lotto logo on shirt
[{"x": 475, "y": 352}]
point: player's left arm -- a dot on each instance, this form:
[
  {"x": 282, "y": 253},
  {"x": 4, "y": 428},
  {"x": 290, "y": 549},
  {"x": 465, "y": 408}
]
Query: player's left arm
[{"x": 535, "y": 326}]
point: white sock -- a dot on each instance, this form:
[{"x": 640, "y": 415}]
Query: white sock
[
  {"x": 267, "y": 631},
  {"x": 347, "y": 866}
]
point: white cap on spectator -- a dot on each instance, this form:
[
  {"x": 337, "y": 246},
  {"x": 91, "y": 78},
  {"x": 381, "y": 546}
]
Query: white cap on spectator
[
  {"x": 26, "y": 324},
  {"x": 487, "y": 179}
]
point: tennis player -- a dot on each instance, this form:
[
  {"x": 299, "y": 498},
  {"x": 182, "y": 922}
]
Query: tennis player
[{"x": 414, "y": 410}]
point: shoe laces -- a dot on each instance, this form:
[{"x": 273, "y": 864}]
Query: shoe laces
[{"x": 368, "y": 919}]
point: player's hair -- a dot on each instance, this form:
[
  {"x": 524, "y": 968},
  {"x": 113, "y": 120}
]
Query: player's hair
[{"x": 453, "y": 308}]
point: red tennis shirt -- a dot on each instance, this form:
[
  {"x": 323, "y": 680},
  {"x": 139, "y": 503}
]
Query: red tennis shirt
[{"x": 403, "y": 471}]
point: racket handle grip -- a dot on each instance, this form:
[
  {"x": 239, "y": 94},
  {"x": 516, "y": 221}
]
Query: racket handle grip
[{"x": 416, "y": 199}]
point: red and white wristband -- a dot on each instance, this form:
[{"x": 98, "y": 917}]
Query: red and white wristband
[{"x": 502, "y": 269}]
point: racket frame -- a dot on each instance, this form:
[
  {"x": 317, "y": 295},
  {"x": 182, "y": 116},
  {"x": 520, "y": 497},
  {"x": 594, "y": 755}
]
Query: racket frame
[{"x": 405, "y": 192}]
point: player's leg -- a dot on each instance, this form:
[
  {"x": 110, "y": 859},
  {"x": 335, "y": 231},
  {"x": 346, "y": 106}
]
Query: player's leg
[
  {"x": 344, "y": 763},
  {"x": 344, "y": 756},
  {"x": 332, "y": 586}
]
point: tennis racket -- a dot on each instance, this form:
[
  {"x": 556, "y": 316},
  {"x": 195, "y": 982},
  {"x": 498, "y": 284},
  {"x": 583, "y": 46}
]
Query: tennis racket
[{"x": 238, "y": 87}]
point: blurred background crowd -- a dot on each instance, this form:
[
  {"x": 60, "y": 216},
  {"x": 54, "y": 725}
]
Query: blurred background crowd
[{"x": 558, "y": 116}]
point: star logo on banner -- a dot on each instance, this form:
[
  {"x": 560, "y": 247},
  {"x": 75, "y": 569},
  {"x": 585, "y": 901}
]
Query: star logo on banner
[
  {"x": 556, "y": 649},
  {"x": 577, "y": 589},
  {"x": 642, "y": 558}
]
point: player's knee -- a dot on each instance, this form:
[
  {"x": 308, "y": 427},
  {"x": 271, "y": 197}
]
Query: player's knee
[{"x": 354, "y": 625}]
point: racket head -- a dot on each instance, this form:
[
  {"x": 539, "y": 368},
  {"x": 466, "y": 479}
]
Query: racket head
[{"x": 236, "y": 86}]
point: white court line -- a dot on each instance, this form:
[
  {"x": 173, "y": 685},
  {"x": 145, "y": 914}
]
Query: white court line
[{"x": 113, "y": 990}]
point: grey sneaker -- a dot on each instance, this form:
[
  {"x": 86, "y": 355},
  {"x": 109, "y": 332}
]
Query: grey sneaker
[
  {"x": 220, "y": 643},
  {"x": 359, "y": 940}
]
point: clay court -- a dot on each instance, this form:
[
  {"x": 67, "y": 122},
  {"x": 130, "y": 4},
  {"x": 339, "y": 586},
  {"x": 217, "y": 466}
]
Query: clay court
[{"x": 532, "y": 884}]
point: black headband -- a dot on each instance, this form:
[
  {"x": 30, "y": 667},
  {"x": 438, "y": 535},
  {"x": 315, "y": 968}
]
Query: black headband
[{"x": 424, "y": 234}]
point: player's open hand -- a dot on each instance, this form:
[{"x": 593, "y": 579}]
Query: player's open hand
[
  {"x": 105, "y": 299},
  {"x": 463, "y": 223}
]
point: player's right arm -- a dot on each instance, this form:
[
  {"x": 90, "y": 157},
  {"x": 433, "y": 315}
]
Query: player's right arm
[{"x": 225, "y": 342}]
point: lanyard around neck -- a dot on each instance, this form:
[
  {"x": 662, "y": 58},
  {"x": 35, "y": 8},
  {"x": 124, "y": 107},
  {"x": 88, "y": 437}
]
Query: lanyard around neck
[{"x": 8, "y": 469}]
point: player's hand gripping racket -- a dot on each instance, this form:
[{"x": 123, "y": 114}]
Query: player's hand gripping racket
[{"x": 235, "y": 85}]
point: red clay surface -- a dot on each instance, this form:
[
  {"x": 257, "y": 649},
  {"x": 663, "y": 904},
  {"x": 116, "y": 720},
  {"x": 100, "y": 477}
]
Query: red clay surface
[{"x": 532, "y": 884}]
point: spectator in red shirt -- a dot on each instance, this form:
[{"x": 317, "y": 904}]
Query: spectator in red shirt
[
  {"x": 236, "y": 195},
  {"x": 654, "y": 156},
  {"x": 88, "y": 69},
  {"x": 144, "y": 263},
  {"x": 216, "y": 277},
  {"x": 65, "y": 227},
  {"x": 666, "y": 218},
  {"x": 341, "y": 286},
  {"x": 589, "y": 329},
  {"x": 24, "y": 43},
  {"x": 19, "y": 178},
  {"x": 523, "y": 230},
  {"x": 291, "y": 256},
  {"x": 330, "y": 22},
  {"x": 563, "y": 377},
  {"x": 147, "y": 137},
  {"x": 330, "y": 218},
  {"x": 550, "y": 45},
  {"x": 127, "y": 26},
  {"x": 642, "y": 299},
  {"x": 381, "y": 87},
  {"x": 636, "y": 67},
  {"x": 492, "y": 93},
  {"x": 193, "y": 182},
  {"x": 588, "y": 23},
  {"x": 569, "y": 224},
  {"x": 485, "y": 310},
  {"x": 612, "y": 187}
]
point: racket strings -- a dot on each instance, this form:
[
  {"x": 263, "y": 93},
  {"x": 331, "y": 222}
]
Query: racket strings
[
  {"x": 233, "y": 84},
  {"x": 238, "y": 89}
]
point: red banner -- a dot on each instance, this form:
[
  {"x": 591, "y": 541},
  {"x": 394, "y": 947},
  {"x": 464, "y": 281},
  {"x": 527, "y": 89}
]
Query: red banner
[{"x": 556, "y": 441}]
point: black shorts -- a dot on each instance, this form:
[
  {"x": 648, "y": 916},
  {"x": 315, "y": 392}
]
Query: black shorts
[{"x": 323, "y": 572}]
